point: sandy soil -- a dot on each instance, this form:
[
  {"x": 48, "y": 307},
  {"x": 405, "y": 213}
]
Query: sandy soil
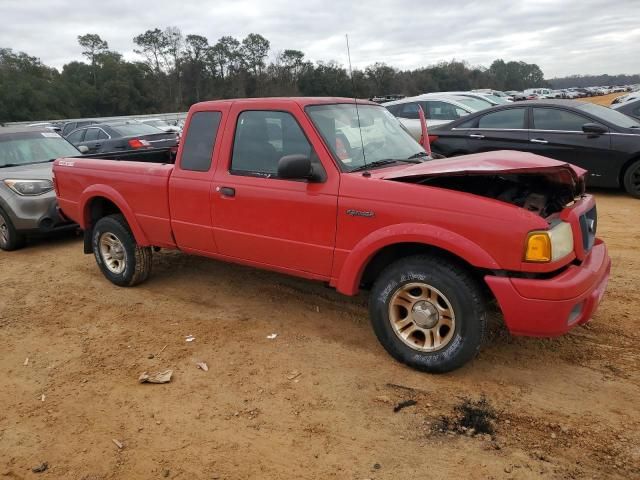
[
  {"x": 603, "y": 99},
  {"x": 315, "y": 402}
]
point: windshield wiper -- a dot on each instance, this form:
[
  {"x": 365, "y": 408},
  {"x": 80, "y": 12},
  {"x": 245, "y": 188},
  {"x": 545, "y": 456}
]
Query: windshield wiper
[
  {"x": 418, "y": 155},
  {"x": 386, "y": 161},
  {"x": 10, "y": 165}
]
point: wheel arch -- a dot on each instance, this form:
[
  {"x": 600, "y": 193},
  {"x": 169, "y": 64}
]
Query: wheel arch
[
  {"x": 367, "y": 260},
  {"x": 100, "y": 202}
]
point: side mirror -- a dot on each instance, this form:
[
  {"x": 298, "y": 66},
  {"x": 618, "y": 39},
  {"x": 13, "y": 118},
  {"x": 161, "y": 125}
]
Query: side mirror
[
  {"x": 594, "y": 129},
  {"x": 295, "y": 167},
  {"x": 83, "y": 149}
]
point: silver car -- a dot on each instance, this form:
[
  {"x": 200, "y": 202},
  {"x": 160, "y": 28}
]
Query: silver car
[
  {"x": 438, "y": 110},
  {"x": 27, "y": 198}
]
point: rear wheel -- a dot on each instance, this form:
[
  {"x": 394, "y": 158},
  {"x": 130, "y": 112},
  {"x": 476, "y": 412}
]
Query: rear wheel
[
  {"x": 10, "y": 239},
  {"x": 631, "y": 179},
  {"x": 117, "y": 254},
  {"x": 428, "y": 313}
]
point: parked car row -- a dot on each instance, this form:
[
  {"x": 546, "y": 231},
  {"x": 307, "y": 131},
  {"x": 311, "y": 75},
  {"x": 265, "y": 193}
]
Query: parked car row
[
  {"x": 27, "y": 201},
  {"x": 603, "y": 141}
]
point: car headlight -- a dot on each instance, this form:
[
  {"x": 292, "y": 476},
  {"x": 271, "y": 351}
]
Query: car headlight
[
  {"x": 549, "y": 245},
  {"x": 30, "y": 187}
]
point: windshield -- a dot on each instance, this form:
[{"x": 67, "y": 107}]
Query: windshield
[
  {"x": 496, "y": 98},
  {"x": 612, "y": 116},
  {"x": 133, "y": 129},
  {"x": 382, "y": 135},
  {"x": 475, "y": 103},
  {"x": 26, "y": 148}
]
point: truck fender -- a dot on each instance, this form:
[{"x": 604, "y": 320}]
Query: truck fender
[
  {"x": 105, "y": 191},
  {"x": 352, "y": 269}
]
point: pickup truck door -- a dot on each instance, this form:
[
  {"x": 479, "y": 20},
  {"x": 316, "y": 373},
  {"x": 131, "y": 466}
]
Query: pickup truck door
[
  {"x": 190, "y": 184},
  {"x": 289, "y": 225}
]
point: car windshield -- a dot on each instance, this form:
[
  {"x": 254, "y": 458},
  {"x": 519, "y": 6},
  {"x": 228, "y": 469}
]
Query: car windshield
[
  {"x": 496, "y": 99},
  {"x": 381, "y": 137},
  {"x": 609, "y": 115},
  {"x": 37, "y": 147},
  {"x": 475, "y": 103},
  {"x": 133, "y": 129}
]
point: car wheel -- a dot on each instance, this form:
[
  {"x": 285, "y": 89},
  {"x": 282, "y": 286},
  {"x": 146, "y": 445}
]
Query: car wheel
[
  {"x": 631, "y": 179},
  {"x": 10, "y": 239},
  {"x": 428, "y": 313},
  {"x": 117, "y": 254}
]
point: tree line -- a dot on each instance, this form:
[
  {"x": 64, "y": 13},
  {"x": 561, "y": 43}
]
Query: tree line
[{"x": 178, "y": 70}]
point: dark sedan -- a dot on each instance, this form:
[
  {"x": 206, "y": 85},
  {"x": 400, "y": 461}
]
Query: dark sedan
[
  {"x": 630, "y": 107},
  {"x": 121, "y": 136},
  {"x": 601, "y": 140}
]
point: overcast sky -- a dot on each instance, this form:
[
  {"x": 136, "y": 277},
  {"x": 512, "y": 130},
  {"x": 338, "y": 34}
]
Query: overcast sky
[{"x": 562, "y": 36}]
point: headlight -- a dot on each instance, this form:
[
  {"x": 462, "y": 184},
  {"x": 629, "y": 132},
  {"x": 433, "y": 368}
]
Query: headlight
[
  {"x": 549, "y": 245},
  {"x": 30, "y": 187}
]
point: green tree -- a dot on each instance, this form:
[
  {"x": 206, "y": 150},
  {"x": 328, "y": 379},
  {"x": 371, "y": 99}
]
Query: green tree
[{"x": 92, "y": 46}]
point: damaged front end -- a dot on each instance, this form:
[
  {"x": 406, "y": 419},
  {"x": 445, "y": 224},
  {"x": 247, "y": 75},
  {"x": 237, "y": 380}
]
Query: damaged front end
[{"x": 536, "y": 184}]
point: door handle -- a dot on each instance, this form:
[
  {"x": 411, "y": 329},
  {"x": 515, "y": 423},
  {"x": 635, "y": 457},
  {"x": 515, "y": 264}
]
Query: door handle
[
  {"x": 476, "y": 135},
  {"x": 538, "y": 140},
  {"x": 227, "y": 191}
]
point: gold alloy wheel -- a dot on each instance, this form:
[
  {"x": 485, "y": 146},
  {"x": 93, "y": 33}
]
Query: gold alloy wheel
[
  {"x": 113, "y": 253},
  {"x": 422, "y": 317}
]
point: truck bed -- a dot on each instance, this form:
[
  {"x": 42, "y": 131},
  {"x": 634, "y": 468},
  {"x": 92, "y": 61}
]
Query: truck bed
[
  {"x": 151, "y": 155},
  {"x": 143, "y": 182}
]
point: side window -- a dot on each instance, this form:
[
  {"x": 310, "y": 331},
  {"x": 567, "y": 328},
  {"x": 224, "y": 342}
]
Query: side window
[
  {"x": 199, "y": 142},
  {"x": 262, "y": 138},
  {"x": 91, "y": 135},
  {"x": 409, "y": 110},
  {"x": 102, "y": 135},
  {"x": 393, "y": 109},
  {"x": 68, "y": 128},
  {"x": 437, "y": 110},
  {"x": 509, "y": 118},
  {"x": 76, "y": 137},
  {"x": 636, "y": 112},
  {"x": 556, "y": 119}
]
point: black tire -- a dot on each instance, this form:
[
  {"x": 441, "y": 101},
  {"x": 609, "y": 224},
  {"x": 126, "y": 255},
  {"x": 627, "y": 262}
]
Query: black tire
[
  {"x": 461, "y": 291},
  {"x": 10, "y": 238},
  {"x": 631, "y": 179},
  {"x": 136, "y": 261}
]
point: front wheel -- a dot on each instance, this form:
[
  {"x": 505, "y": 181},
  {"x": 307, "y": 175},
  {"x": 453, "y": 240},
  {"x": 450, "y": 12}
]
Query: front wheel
[
  {"x": 10, "y": 239},
  {"x": 631, "y": 179},
  {"x": 428, "y": 313},
  {"x": 117, "y": 254}
]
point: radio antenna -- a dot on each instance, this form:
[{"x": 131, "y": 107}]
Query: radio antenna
[{"x": 353, "y": 89}]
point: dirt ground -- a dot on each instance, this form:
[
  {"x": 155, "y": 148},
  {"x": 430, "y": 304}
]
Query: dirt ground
[
  {"x": 603, "y": 99},
  {"x": 316, "y": 402}
]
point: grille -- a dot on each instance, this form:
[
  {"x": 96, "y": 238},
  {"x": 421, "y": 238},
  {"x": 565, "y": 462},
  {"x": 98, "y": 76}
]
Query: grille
[{"x": 588, "y": 226}]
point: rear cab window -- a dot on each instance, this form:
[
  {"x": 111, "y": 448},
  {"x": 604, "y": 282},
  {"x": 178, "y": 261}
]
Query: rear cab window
[{"x": 199, "y": 142}]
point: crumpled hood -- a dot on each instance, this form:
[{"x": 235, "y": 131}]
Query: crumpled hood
[
  {"x": 35, "y": 171},
  {"x": 503, "y": 161}
]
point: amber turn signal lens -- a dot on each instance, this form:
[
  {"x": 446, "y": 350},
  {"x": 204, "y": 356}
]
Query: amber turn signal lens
[{"x": 538, "y": 247}]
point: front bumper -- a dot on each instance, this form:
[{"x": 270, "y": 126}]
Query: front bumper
[
  {"x": 38, "y": 214},
  {"x": 551, "y": 307}
]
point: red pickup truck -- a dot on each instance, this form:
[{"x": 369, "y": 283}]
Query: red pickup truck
[{"x": 337, "y": 191}]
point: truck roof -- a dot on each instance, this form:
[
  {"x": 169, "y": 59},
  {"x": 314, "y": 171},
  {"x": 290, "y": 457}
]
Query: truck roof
[{"x": 302, "y": 101}]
